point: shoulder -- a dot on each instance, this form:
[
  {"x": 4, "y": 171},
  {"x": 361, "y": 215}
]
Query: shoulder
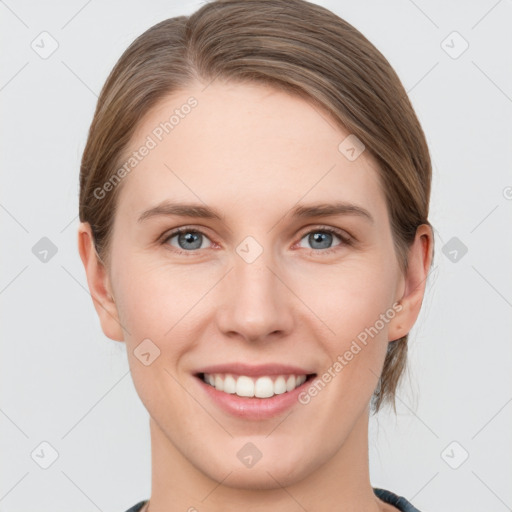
[
  {"x": 137, "y": 507},
  {"x": 393, "y": 499}
]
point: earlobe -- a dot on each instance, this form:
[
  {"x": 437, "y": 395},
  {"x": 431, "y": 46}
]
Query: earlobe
[
  {"x": 419, "y": 262},
  {"x": 99, "y": 284}
]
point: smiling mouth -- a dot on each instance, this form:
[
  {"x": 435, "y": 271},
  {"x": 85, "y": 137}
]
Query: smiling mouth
[{"x": 252, "y": 387}]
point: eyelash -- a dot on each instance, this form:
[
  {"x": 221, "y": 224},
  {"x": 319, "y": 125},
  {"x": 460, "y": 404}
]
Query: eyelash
[{"x": 345, "y": 240}]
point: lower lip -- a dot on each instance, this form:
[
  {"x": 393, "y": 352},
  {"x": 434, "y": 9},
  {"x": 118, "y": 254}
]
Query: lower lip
[{"x": 253, "y": 408}]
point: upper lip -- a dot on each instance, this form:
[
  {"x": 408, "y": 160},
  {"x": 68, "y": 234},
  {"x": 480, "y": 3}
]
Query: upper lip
[{"x": 254, "y": 370}]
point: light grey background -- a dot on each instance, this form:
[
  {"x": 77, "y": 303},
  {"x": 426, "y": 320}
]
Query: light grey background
[{"x": 63, "y": 382}]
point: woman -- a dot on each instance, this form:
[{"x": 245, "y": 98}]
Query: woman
[{"x": 254, "y": 199}]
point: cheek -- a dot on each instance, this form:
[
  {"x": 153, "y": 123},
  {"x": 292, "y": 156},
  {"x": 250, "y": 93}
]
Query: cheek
[
  {"x": 160, "y": 304},
  {"x": 356, "y": 304},
  {"x": 158, "y": 299},
  {"x": 349, "y": 298}
]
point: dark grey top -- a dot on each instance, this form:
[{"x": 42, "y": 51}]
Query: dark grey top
[{"x": 387, "y": 496}]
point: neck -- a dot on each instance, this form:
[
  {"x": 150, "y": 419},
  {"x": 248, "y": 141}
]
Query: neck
[{"x": 341, "y": 484}]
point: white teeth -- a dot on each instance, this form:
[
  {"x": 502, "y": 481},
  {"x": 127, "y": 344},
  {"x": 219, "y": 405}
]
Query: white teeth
[
  {"x": 229, "y": 385},
  {"x": 280, "y": 385},
  {"x": 244, "y": 386},
  {"x": 261, "y": 387},
  {"x": 264, "y": 387},
  {"x": 290, "y": 383},
  {"x": 219, "y": 383}
]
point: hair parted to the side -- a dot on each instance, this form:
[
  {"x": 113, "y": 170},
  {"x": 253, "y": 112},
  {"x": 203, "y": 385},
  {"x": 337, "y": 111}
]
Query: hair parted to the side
[{"x": 299, "y": 47}]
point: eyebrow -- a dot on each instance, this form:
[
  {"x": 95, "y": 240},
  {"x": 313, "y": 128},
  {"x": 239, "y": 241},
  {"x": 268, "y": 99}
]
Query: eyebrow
[{"x": 194, "y": 210}]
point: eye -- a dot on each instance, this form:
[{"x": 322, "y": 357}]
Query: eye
[
  {"x": 322, "y": 238},
  {"x": 186, "y": 240}
]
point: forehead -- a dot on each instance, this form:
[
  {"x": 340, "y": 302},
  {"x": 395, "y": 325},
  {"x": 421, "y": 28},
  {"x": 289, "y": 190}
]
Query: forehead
[{"x": 249, "y": 146}]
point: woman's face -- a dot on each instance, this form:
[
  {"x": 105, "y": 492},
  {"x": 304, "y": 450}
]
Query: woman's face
[{"x": 261, "y": 293}]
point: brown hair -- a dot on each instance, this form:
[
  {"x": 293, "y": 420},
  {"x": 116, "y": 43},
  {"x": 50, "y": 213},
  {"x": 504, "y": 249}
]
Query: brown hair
[{"x": 293, "y": 45}]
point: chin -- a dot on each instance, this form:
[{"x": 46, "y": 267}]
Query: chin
[
  {"x": 272, "y": 471},
  {"x": 265, "y": 478}
]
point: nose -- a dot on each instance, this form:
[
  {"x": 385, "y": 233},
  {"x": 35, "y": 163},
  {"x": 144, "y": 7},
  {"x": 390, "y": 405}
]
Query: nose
[{"x": 256, "y": 304}]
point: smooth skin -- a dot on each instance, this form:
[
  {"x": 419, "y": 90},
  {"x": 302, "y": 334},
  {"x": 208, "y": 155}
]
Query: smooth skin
[{"x": 254, "y": 153}]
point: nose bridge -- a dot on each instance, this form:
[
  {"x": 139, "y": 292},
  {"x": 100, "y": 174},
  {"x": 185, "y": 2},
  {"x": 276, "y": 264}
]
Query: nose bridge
[{"x": 256, "y": 302}]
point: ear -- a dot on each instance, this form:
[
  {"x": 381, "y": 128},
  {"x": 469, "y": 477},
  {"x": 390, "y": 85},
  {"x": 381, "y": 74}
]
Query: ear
[
  {"x": 413, "y": 283},
  {"x": 99, "y": 284}
]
